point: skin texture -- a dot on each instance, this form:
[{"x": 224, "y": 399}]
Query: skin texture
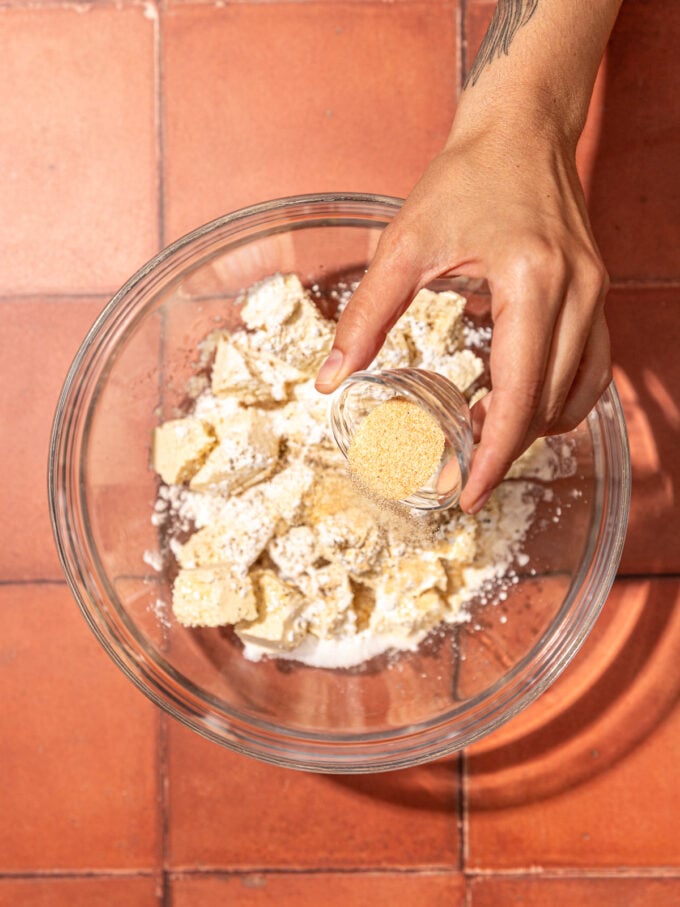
[{"x": 503, "y": 201}]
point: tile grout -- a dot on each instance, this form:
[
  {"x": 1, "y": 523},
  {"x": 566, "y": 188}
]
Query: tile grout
[
  {"x": 462, "y": 810},
  {"x": 160, "y": 121},
  {"x": 569, "y": 872},
  {"x": 36, "y": 581},
  {"x": 575, "y": 872},
  {"x": 163, "y": 780},
  {"x": 462, "y": 50},
  {"x": 57, "y": 874},
  {"x": 641, "y": 283}
]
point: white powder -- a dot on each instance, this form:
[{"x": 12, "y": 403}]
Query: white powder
[
  {"x": 154, "y": 559},
  {"x": 341, "y": 652},
  {"x": 346, "y": 582}
]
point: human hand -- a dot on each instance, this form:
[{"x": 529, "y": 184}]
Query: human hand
[{"x": 506, "y": 204}]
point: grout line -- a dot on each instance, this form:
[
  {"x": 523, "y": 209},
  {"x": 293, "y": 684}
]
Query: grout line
[
  {"x": 463, "y": 45},
  {"x": 56, "y": 297},
  {"x": 634, "y": 872},
  {"x": 575, "y": 872},
  {"x": 75, "y": 874},
  {"x": 629, "y": 283},
  {"x": 41, "y": 581},
  {"x": 160, "y": 122},
  {"x": 164, "y": 811},
  {"x": 462, "y": 810},
  {"x": 202, "y": 871}
]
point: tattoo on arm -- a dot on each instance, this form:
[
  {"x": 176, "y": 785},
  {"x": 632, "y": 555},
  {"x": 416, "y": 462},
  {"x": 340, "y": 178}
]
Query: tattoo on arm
[{"x": 509, "y": 17}]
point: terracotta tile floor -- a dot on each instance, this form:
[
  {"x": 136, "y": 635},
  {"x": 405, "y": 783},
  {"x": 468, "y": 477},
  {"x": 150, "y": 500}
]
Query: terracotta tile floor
[{"x": 124, "y": 125}]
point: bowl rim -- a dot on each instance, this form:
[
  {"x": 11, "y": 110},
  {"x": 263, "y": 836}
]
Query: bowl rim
[{"x": 350, "y": 752}]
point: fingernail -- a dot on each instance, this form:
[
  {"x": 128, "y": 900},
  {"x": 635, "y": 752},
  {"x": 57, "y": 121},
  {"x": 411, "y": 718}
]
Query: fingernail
[
  {"x": 330, "y": 370},
  {"x": 479, "y": 503}
]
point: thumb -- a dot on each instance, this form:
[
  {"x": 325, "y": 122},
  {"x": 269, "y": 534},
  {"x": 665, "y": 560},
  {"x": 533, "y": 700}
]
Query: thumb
[{"x": 385, "y": 292}]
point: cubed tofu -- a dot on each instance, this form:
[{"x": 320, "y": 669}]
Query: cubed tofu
[
  {"x": 330, "y": 600},
  {"x": 433, "y": 322},
  {"x": 293, "y": 551},
  {"x": 456, "y": 541},
  {"x": 230, "y": 372},
  {"x": 246, "y": 368},
  {"x": 285, "y": 492},
  {"x": 270, "y": 303},
  {"x": 300, "y": 341},
  {"x": 237, "y": 537},
  {"x": 212, "y": 597},
  {"x": 409, "y": 595},
  {"x": 352, "y": 539},
  {"x": 408, "y": 576},
  {"x": 180, "y": 447},
  {"x": 247, "y": 452},
  {"x": 278, "y": 623},
  {"x": 396, "y": 352},
  {"x": 306, "y": 338},
  {"x": 462, "y": 368}
]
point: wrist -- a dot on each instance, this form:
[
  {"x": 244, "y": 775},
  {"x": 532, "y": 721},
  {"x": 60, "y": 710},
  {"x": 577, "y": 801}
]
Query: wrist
[{"x": 527, "y": 113}]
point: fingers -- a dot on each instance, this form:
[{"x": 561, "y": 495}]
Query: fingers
[
  {"x": 576, "y": 372},
  {"x": 581, "y": 309},
  {"x": 523, "y": 328},
  {"x": 389, "y": 285},
  {"x": 592, "y": 379}
]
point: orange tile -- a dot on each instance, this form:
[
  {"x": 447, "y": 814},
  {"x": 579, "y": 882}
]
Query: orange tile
[
  {"x": 77, "y": 148},
  {"x": 635, "y": 197},
  {"x": 40, "y": 338},
  {"x": 121, "y": 485},
  {"x": 264, "y": 100},
  {"x": 628, "y": 153},
  {"x": 586, "y": 776},
  {"x": 229, "y": 811},
  {"x": 567, "y": 892},
  {"x": 93, "y": 892},
  {"x": 300, "y": 890},
  {"x": 501, "y": 635},
  {"x": 478, "y": 14},
  {"x": 645, "y": 333},
  {"x": 79, "y": 743}
]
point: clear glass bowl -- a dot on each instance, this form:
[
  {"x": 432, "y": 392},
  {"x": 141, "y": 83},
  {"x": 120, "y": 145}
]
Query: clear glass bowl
[
  {"x": 359, "y": 394},
  {"x": 131, "y": 373}
]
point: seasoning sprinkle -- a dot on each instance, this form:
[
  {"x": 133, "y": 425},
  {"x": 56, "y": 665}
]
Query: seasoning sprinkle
[{"x": 396, "y": 449}]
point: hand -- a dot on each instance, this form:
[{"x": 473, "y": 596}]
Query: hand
[{"x": 505, "y": 204}]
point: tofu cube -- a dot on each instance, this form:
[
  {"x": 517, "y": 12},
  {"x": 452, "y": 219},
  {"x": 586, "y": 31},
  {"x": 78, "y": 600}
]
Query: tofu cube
[
  {"x": 231, "y": 374},
  {"x": 277, "y": 624},
  {"x": 247, "y": 452},
  {"x": 434, "y": 323},
  {"x": 179, "y": 448},
  {"x": 212, "y": 597},
  {"x": 238, "y": 537},
  {"x": 462, "y": 368},
  {"x": 270, "y": 303}
]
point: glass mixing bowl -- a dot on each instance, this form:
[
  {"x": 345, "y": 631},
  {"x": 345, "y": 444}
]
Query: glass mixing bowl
[{"x": 131, "y": 373}]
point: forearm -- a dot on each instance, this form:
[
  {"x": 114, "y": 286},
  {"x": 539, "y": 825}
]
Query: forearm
[{"x": 537, "y": 66}]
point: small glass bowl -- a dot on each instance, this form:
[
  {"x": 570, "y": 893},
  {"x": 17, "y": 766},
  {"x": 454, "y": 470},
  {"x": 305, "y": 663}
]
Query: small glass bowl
[{"x": 359, "y": 394}]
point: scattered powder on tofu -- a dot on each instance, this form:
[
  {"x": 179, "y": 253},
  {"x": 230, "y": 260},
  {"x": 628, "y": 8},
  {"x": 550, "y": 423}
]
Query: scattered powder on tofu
[
  {"x": 396, "y": 449},
  {"x": 269, "y": 532}
]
